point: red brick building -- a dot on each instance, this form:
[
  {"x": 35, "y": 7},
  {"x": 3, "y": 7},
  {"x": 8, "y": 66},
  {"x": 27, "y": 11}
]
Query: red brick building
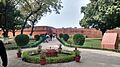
[{"x": 92, "y": 33}]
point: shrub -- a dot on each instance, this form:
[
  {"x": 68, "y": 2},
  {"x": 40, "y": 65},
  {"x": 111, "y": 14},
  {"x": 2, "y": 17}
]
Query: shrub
[
  {"x": 79, "y": 39},
  {"x": 22, "y": 39},
  {"x": 60, "y": 35},
  {"x": 61, "y": 59},
  {"x": 69, "y": 42},
  {"x": 65, "y": 37},
  {"x": 28, "y": 58},
  {"x": 37, "y": 37},
  {"x": 42, "y": 36}
]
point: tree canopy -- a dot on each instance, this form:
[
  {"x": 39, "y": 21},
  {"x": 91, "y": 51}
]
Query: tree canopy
[
  {"x": 10, "y": 17},
  {"x": 17, "y": 13},
  {"x": 101, "y": 14},
  {"x": 40, "y": 7}
]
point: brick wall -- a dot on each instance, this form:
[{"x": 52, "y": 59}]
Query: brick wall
[
  {"x": 92, "y": 33},
  {"x": 87, "y": 32}
]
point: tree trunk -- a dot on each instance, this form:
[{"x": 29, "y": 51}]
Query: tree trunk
[
  {"x": 5, "y": 36},
  {"x": 5, "y": 33},
  {"x": 28, "y": 18},
  {"x": 13, "y": 31},
  {"x": 32, "y": 29},
  {"x": 103, "y": 31},
  {"x": 25, "y": 22}
]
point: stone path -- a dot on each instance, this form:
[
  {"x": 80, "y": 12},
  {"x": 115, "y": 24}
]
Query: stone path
[{"x": 90, "y": 58}]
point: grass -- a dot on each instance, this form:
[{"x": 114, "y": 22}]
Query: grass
[{"x": 92, "y": 42}]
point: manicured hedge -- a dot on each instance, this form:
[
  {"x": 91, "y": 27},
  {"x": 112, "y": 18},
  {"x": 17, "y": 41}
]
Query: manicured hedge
[
  {"x": 35, "y": 44},
  {"x": 22, "y": 40},
  {"x": 79, "y": 39},
  {"x": 78, "y": 46},
  {"x": 66, "y": 44},
  {"x": 37, "y": 37},
  {"x": 60, "y": 35},
  {"x": 65, "y": 37},
  {"x": 27, "y": 56},
  {"x": 61, "y": 59}
]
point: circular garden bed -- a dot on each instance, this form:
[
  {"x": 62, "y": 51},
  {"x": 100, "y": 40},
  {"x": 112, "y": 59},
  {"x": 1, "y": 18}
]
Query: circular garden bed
[{"x": 34, "y": 57}]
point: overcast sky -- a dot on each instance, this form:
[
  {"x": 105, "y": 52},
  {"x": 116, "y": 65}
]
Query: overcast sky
[{"x": 69, "y": 16}]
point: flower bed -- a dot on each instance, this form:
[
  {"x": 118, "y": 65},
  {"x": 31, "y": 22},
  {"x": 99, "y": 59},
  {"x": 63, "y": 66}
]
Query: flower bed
[
  {"x": 51, "y": 52},
  {"x": 33, "y": 57}
]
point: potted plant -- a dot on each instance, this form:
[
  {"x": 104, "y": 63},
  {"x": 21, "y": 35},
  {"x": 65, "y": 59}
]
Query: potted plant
[
  {"x": 43, "y": 58},
  {"x": 21, "y": 40},
  {"x": 60, "y": 48},
  {"x": 19, "y": 53},
  {"x": 39, "y": 49},
  {"x": 77, "y": 55}
]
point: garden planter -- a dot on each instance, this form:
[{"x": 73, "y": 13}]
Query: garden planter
[
  {"x": 77, "y": 58},
  {"x": 59, "y": 50},
  {"x": 43, "y": 61},
  {"x": 51, "y": 52},
  {"x": 19, "y": 55}
]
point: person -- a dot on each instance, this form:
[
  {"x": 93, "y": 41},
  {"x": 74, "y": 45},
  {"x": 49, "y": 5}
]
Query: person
[
  {"x": 51, "y": 37},
  {"x": 3, "y": 54}
]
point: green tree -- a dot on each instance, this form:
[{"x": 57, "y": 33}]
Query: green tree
[
  {"x": 101, "y": 14},
  {"x": 33, "y": 20},
  {"x": 9, "y": 17},
  {"x": 40, "y": 7}
]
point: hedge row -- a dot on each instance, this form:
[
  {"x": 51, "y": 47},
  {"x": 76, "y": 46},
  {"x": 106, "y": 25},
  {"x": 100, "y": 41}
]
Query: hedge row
[
  {"x": 33, "y": 44},
  {"x": 78, "y": 46},
  {"x": 27, "y": 56},
  {"x": 66, "y": 44},
  {"x": 26, "y": 46}
]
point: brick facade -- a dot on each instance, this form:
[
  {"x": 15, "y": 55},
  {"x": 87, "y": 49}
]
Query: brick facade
[
  {"x": 92, "y": 33},
  {"x": 87, "y": 32}
]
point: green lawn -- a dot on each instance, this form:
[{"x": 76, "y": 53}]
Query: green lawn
[{"x": 93, "y": 42}]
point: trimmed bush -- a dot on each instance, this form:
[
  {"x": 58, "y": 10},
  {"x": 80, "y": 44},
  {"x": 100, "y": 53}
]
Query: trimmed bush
[
  {"x": 36, "y": 37},
  {"x": 61, "y": 59},
  {"x": 60, "y": 35},
  {"x": 79, "y": 39},
  {"x": 22, "y": 39},
  {"x": 65, "y": 37},
  {"x": 28, "y": 58}
]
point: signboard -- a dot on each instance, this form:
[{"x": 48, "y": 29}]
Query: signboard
[{"x": 110, "y": 41}]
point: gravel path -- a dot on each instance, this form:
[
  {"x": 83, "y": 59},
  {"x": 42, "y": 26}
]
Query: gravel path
[{"x": 90, "y": 58}]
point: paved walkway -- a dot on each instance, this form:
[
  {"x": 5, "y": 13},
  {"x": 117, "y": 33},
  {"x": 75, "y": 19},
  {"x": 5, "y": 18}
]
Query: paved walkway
[{"x": 90, "y": 58}]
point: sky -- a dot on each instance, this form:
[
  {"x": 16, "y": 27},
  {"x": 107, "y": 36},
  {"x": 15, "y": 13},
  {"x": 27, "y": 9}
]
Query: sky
[{"x": 69, "y": 16}]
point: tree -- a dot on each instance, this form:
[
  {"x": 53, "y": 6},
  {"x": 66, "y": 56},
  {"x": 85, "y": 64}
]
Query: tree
[
  {"x": 9, "y": 17},
  {"x": 40, "y": 7},
  {"x": 33, "y": 21},
  {"x": 101, "y": 14}
]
